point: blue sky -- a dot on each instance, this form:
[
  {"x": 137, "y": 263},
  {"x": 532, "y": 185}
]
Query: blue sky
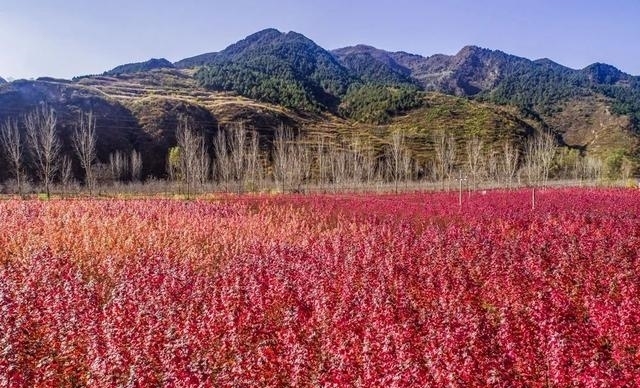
[{"x": 65, "y": 38}]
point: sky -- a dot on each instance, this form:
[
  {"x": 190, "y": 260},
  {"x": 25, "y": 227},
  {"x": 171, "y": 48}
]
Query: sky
[{"x": 67, "y": 38}]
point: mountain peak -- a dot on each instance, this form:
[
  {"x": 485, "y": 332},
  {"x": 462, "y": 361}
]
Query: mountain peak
[
  {"x": 603, "y": 73},
  {"x": 547, "y": 62},
  {"x": 256, "y": 41},
  {"x": 284, "y": 68},
  {"x": 263, "y": 35},
  {"x": 472, "y": 50},
  {"x": 357, "y": 48}
]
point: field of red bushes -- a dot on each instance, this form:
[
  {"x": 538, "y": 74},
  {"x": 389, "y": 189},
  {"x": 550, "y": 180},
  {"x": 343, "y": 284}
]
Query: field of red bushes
[{"x": 368, "y": 290}]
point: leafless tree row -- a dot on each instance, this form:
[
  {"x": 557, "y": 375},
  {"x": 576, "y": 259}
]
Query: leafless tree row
[
  {"x": 45, "y": 156},
  {"x": 237, "y": 159}
]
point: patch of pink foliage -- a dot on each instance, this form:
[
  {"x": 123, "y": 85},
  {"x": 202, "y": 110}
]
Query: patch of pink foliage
[{"x": 386, "y": 291}]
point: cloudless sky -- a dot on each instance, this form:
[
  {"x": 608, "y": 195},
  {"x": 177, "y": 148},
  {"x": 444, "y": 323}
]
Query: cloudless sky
[{"x": 66, "y": 38}]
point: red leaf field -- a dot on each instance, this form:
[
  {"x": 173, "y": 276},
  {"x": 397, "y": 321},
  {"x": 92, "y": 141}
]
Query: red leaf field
[{"x": 323, "y": 290}]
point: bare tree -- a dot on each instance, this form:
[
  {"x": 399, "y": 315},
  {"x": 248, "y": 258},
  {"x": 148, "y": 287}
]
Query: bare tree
[
  {"x": 547, "y": 150},
  {"x": 12, "y": 147},
  {"x": 237, "y": 137},
  {"x": 300, "y": 162},
  {"x": 189, "y": 144},
  {"x": 407, "y": 167},
  {"x": 369, "y": 163},
  {"x": 510, "y": 158},
  {"x": 66, "y": 173},
  {"x": 339, "y": 166},
  {"x": 321, "y": 161},
  {"x": 203, "y": 163},
  {"x": 84, "y": 143},
  {"x": 532, "y": 165},
  {"x": 493, "y": 166},
  {"x": 475, "y": 162},
  {"x": 286, "y": 159},
  {"x": 445, "y": 155},
  {"x": 44, "y": 144},
  {"x": 119, "y": 165},
  {"x": 281, "y": 156},
  {"x": 355, "y": 161},
  {"x": 592, "y": 168},
  {"x": 450, "y": 157},
  {"x": 396, "y": 155},
  {"x": 540, "y": 152},
  {"x": 292, "y": 160},
  {"x": 224, "y": 164},
  {"x": 136, "y": 166},
  {"x": 253, "y": 162}
]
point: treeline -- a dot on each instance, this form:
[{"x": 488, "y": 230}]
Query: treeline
[{"x": 236, "y": 159}]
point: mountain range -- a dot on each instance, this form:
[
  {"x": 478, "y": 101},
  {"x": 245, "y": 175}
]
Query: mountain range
[{"x": 272, "y": 78}]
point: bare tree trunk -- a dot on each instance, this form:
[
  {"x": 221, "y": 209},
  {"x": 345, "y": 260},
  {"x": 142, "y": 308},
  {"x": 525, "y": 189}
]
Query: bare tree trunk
[
  {"x": 12, "y": 147},
  {"x": 450, "y": 158},
  {"x": 493, "y": 167},
  {"x": 203, "y": 163},
  {"x": 237, "y": 138},
  {"x": 321, "y": 162},
  {"x": 44, "y": 144},
  {"x": 303, "y": 162},
  {"x": 546, "y": 147},
  {"x": 475, "y": 160},
  {"x": 593, "y": 168},
  {"x": 407, "y": 167},
  {"x": 252, "y": 162},
  {"x": 282, "y": 157},
  {"x": 224, "y": 163},
  {"x": 540, "y": 152},
  {"x": 511, "y": 154},
  {"x": 445, "y": 155},
  {"x": 369, "y": 164},
  {"x": 66, "y": 174},
  {"x": 119, "y": 165},
  {"x": 189, "y": 145},
  {"x": 396, "y": 152},
  {"x": 136, "y": 166},
  {"x": 84, "y": 143},
  {"x": 339, "y": 169}
]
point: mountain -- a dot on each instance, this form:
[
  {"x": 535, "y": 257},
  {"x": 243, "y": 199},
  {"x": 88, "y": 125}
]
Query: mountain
[
  {"x": 541, "y": 87},
  {"x": 2, "y": 81},
  {"x": 151, "y": 64},
  {"x": 272, "y": 78},
  {"x": 283, "y": 68}
]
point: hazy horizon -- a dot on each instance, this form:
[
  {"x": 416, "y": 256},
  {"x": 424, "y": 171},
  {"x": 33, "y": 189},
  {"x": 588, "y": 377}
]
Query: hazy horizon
[{"x": 75, "y": 38}]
